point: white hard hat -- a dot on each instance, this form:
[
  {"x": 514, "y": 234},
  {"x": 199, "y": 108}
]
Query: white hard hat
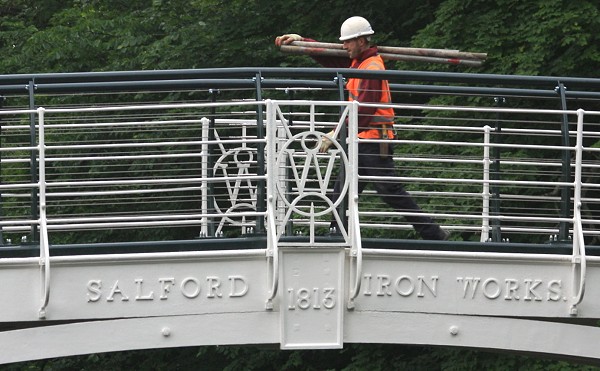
[{"x": 355, "y": 27}]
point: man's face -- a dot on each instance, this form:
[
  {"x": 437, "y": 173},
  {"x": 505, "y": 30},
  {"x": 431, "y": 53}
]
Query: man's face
[{"x": 354, "y": 47}]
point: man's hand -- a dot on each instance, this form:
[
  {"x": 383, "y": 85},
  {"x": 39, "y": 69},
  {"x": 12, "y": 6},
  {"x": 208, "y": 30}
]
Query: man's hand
[
  {"x": 287, "y": 39},
  {"x": 326, "y": 142}
]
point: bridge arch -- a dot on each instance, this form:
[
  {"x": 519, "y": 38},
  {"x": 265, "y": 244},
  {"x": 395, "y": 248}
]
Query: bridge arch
[{"x": 484, "y": 333}]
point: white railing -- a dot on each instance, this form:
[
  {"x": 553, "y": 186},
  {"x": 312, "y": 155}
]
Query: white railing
[
  {"x": 296, "y": 177},
  {"x": 213, "y": 182},
  {"x": 579, "y": 261}
]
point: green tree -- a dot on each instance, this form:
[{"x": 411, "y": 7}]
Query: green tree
[{"x": 552, "y": 38}]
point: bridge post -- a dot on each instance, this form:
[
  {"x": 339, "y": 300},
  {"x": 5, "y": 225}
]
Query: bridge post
[
  {"x": 289, "y": 227},
  {"x": 33, "y": 161},
  {"x": 565, "y": 197},
  {"x": 1, "y": 200},
  {"x": 210, "y": 162},
  {"x": 309, "y": 277},
  {"x": 495, "y": 175},
  {"x": 341, "y": 82},
  {"x": 260, "y": 134}
]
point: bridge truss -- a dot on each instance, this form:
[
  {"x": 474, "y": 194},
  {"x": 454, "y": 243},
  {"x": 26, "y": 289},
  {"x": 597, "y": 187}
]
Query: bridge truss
[{"x": 165, "y": 209}]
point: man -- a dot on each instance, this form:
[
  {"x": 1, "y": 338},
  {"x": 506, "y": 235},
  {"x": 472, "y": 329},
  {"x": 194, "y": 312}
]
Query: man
[{"x": 374, "y": 159}]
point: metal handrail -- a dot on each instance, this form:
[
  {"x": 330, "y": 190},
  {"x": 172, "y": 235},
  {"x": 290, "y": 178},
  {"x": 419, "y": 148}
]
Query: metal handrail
[
  {"x": 56, "y": 221},
  {"x": 46, "y": 223},
  {"x": 53, "y": 184},
  {"x": 354, "y": 218},
  {"x": 246, "y": 78},
  {"x": 44, "y": 243},
  {"x": 272, "y": 250},
  {"x": 130, "y": 79},
  {"x": 485, "y": 192},
  {"x": 579, "y": 257}
]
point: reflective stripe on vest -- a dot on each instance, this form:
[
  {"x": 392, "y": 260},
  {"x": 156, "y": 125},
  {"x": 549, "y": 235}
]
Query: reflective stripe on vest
[{"x": 382, "y": 116}]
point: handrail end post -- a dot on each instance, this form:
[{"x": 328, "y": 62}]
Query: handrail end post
[{"x": 573, "y": 311}]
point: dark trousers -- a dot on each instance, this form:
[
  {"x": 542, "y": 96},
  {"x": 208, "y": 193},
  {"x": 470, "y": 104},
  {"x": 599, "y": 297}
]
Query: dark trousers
[{"x": 371, "y": 163}]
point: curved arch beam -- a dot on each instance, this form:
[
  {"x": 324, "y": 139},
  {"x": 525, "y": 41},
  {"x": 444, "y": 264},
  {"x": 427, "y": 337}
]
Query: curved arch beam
[{"x": 493, "y": 333}]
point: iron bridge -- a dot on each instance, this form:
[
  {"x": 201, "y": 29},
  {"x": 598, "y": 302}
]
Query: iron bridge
[{"x": 157, "y": 209}]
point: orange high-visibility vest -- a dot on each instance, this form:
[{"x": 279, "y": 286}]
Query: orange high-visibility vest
[{"x": 383, "y": 116}]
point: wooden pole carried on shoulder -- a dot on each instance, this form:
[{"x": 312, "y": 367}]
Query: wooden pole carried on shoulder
[{"x": 446, "y": 56}]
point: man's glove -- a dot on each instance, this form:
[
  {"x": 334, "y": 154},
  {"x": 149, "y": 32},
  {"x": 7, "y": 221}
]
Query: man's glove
[
  {"x": 326, "y": 142},
  {"x": 287, "y": 39}
]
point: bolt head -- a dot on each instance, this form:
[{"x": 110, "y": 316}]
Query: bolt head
[{"x": 453, "y": 330}]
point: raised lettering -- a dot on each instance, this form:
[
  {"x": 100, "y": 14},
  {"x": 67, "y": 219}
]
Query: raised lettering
[
  {"x": 493, "y": 294},
  {"x": 530, "y": 286},
  {"x": 165, "y": 287},
  {"x": 239, "y": 289},
  {"x": 367, "y": 285},
  {"x": 384, "y": 285},
  {"x": 329, "y": 299},
  {"x": 410, "y": 288},
  {"x": 94, "y": 294},
  {"x": 116, "y": 290},
  {"x": 316, "y": 300},
  {"x": 292, "y": 301},
  {"x": 512, "y": 286},
  {"x": 195, "y": 285},
  {"x": 554, "y": 290},
  {"x": 303, "y": 301},
  {"x": 304, "y": 298},
  {"x": 470, "y": 284},
  {"x": 214, "y": 287},
  {"x": 432, "y": 289},
  {"x": 139, "y": 296}
]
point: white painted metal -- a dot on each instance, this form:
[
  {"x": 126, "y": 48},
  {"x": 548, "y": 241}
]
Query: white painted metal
[
  {"x": 361, "y": 327},
  {"x": 55, "y": 225},
  {"x": 311, "y": 300},
  {"x": 579, "y": 258},
  {"x": 485, "y": 193},
  {"x": 413, "y": 297},
  {"x": 204, "y": 185},
  {"x": 310, "y": 166},
  {"x": 353, "y": 211},
  {"x": 236, "y": 177},
  {"x": 44, "y": 244},
  {"x": 272, "y": 229},
  {"x": 298, "y": 294}
]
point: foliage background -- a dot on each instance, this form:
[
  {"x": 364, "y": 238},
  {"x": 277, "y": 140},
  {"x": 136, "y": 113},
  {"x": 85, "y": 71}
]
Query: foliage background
[
  {"x": 531, "y": 37},
  {"x": 539, "y": 37}
]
